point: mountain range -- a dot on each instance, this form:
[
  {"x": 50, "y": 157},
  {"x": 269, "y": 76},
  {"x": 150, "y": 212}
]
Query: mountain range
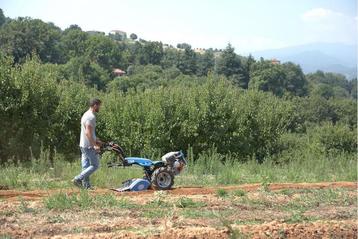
[{"x": 328, "y": 57}]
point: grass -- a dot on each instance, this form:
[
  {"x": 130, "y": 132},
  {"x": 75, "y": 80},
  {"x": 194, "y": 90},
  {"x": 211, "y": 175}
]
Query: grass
[
  {"x": 221, "y": 193},
  {"x": 84, "y": 200},
  {"x": 239, "y": 193},
  {"x": 207, "y": 170},
  {"x": 185, "y": 202}
]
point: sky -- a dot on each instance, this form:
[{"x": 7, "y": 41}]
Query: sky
[{"x": 249, "y": 25}]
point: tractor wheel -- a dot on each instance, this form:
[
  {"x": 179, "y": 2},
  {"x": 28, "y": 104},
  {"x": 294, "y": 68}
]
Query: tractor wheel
[{"x": 162, "y": 179}]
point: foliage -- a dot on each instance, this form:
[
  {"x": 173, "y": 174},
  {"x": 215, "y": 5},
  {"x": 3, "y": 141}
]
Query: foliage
[
  {"x": 133, "y": 36},
  {"x": 74, "y": 40},
  {"x": 221, "y": 193},
  {"x": 215, "y": 101},
  {"x": 335, "y": 138},
  {"x": 330, "y": 85},
  {"x": 2, "y": 18},
  {"x": 25, "y": 36},
  {"x": 278, "y": 79}
]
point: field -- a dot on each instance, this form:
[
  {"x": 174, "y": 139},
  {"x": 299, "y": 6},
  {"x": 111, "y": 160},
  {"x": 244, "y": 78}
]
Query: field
[
  {"x": 299, "y": 199},
  {"x": 277, "y": 210}
]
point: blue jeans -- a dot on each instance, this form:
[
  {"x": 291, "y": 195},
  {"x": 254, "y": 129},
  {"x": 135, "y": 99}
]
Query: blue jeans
[{"x": 90, "y": 163}]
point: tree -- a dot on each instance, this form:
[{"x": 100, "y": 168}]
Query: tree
[
  {"x": 278, "y": 78},
  {"x": 9, "y": 106},
  {"x": 329, "y": 85},
  {"x": 229, "y": 63},
  {"x": 2, "y": 18},
  {"x": 205, "y": 63},
  {"x": 295, "y": 82},
  {"x": 271, "y": 78},
  {"x": 133, "y": 36},
  {"x": 74, "y": 42},
  {"x": 186, "y": 61},
  {"x": 25, "y": 36},
  {"x": 151, "y": 53},
  {"x": 170, "y": 58},
  {"x": 353, "y": 88},
  {"x": 84, "y": 70},
  {"x": 183, "y": 46},
  {"x": 104, "y": 51}
]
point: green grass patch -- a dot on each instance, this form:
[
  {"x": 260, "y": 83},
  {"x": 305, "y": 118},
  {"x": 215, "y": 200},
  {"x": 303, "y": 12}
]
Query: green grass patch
[
  {"x": 239, "y": 193},
  {"x": 221, "y": 193},
  {"x": 196, "y": 213},
  {"x": 206, "y": 170},
  {"x": 185, "y": 202},
  {"x": 155, "y": 213},
  {"x": 84, "y": 200},
  {"x": 297, "y": 217}
]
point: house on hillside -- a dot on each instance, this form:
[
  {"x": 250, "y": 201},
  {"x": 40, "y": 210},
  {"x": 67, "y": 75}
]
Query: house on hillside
[
  {"x": 118, "y": 72},
  {"x": 275, "y": 61},
  {"x": 199, "y": 50},
  {"x": 117, "y": 35}
]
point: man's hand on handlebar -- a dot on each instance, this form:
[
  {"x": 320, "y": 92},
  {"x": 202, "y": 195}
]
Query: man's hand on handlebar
[{"x": 97, "y": 148}]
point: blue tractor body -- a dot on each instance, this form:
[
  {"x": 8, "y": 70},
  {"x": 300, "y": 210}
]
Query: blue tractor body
[
  {"x": 141, "y": 161},
  {"x": 157, "y": 174}
]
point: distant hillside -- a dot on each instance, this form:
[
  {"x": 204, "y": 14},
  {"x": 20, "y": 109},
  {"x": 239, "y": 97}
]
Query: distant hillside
[{"x": 330, "y": 57}]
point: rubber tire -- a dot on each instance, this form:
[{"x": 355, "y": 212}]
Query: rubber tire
[{"x": 155, "y": 175}]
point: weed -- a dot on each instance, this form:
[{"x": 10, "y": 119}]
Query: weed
[
  {"x": 282, "y": 233},
  {"x": 233, "y": 233},
  {"x": 24, "y": 206},
  {"x": 159, "y": 200},
  {"x": 55, "y": 219},
  {"x": 221, "y": 193},
  {"x": 84, "y": 200},
  {"x": 194, "y": 213},
  {"x": 78, "y": 230},
  {"x": 239, "y": 193},
  {"x": 297, "y": 216},
  {"x": 287, "y": 192},
  {"x": 266, "y": 184},
  {"x": 185, "y": 202},
  {"x": 60, "y": 201},
  {"x": 154, "y": 213}
]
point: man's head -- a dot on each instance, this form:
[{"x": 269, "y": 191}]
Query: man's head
[{"x": 95, "y": 104}]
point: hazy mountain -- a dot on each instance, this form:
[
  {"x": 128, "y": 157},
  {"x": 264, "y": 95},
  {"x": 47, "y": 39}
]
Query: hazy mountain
[{"x": 330, "y": 57}]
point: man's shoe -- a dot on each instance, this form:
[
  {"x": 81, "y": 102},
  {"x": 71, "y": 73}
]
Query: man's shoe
[
  {"x": 90, "y": 188},
  {"x": 77, "y": 182}
]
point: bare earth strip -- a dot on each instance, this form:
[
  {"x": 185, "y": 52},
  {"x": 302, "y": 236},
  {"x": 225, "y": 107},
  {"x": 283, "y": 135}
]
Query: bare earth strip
[{"x": 186, "y": 190}]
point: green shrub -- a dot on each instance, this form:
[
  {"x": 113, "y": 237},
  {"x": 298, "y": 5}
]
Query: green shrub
[{"x": 335, "y": 138}]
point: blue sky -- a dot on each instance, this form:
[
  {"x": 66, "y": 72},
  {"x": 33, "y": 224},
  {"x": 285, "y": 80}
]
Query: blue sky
[{"x": 248, "y": 25}]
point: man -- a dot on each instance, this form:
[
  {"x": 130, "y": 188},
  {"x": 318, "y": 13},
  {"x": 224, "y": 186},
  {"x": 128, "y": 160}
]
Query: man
[{"x": 89, "y": 145}]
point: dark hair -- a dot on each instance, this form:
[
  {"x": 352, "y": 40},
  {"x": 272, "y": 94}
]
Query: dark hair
[{"x": 94, "y": 101}]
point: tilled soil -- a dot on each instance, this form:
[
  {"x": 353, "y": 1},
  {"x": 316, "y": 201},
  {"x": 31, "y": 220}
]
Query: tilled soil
[{"x": 258, "y": 214}]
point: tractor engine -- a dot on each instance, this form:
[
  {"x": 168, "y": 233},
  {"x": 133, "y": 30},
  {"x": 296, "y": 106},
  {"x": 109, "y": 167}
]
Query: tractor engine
[{"x": 175, "y": 161}]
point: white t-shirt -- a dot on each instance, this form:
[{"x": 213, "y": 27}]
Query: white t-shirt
[{"x": 88, "y": 118}]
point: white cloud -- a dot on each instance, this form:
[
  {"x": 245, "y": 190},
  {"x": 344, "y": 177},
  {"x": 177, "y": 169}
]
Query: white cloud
[
  {"x": 320, "y": 14},
  {"x": 328, "y": 25}
]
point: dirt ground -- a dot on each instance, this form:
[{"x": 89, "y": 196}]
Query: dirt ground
[{"x": 282, "y": 210}]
